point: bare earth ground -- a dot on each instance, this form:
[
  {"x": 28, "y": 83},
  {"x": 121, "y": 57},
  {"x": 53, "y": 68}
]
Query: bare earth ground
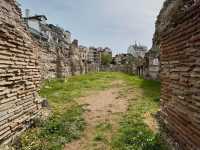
[
  {"x": 151, "y": 122},
  {"x": 102, "y": 107},
  {"x": 106, "y": 107}
]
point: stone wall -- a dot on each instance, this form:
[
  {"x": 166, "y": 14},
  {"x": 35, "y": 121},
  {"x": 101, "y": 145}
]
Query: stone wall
[
  {"x": 19, "y": 72},
  {"x": 54, "y": 61},
  {"x": 152, "y": 65},
  {"x": 125, "y": 68},
  {"x": 122, "y": 63},
  {"x": 54, "y": 53},
  {"x": 77, "y": 66},
  {"x": 180, "y": 74}
]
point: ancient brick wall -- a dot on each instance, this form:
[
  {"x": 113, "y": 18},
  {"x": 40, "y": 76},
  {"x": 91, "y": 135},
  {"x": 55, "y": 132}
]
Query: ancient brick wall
[
  {"x": 180, "y": 76},
  {"x": 48, "y": 59},
  {"x": 54, "y": 62},
  {"x": 54, "y": 52},
  {"x": 19, "y": 72}
]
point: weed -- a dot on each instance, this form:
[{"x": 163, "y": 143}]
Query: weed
[
  {"x": 67, "y": 123},
  {"x": 104, "y": 126},
  {"x": 55, "y": 132},
  {"x": 99, "y": 136},
  {"x": 134, "y": 134}
]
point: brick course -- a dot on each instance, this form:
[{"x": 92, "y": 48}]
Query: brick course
[
  {"x": 180, "y": 77},
  {"x": 19, "y": 72}
]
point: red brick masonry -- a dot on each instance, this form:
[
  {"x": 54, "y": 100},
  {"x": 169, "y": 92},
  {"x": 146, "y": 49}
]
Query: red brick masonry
[{"x": 180, "y": 78}]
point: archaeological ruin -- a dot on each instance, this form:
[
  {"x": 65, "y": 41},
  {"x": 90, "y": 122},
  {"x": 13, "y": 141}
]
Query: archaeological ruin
[
  {"x": 31, "y": 54},
  {"x": 20, "y": 75},
  {"x": 178, "y": 34},
  {"x": 28, "y": 56}
]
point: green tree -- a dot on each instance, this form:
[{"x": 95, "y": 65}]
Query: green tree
[{"x": 106, "y": 59}]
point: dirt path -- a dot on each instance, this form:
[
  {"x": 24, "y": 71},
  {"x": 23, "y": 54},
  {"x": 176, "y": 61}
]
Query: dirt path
[{"x": 102, "y": 116}]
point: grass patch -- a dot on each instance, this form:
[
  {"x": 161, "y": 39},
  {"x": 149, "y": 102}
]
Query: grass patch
[
  {"x": 66, "y": 123},
  {"x": 61, "y": 91},
  {"x": 134, "y": 134},
  {"x": 99, "y": 136},
  {"x": 104, "y": 126},
  {"x": 101, "y": 130},
  {"x": 55, "y": 132}
]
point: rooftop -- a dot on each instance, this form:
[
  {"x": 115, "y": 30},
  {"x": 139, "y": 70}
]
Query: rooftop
[{"x": 38, "y": 17}]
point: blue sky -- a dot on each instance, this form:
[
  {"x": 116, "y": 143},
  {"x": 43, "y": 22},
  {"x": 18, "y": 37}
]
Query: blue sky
[{"x": 112, "y": 23}]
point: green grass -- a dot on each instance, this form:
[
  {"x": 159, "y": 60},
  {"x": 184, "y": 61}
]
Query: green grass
[
  {"x": 61, "y": 91},
  {"x": 67, "y": 123},
  {"x": 134, "y": 134},
  {"x": 104, "y": 126},
  {"x": 101, "y": 131},
  {"x": 99, "y": 136},
  {"x": 55, "y": 132}
]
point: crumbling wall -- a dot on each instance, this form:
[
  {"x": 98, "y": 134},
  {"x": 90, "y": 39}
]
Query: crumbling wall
[
  {"x": 125, "y": 68},
  {"x": 19, "y": 72},
  {"x": 77, "y": 66},
  {"x": 63, "y": 63},
  {"x": 54, "y": 61},
  {"x": 48, "y": 58},
  {"x": 93, "y": 67},
  {"x": 54, "y": 53},
  {"x": 180, "y": 75},
  {"x": 152, "y": 65}
]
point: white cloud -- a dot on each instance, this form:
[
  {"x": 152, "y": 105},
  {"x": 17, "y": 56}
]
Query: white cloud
[
  {"x": 132, "y": 19},
  {"x": 114, "y": 23}
]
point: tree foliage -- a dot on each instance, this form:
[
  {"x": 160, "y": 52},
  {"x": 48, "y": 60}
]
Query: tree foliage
[{"x": 106, "y": 59}]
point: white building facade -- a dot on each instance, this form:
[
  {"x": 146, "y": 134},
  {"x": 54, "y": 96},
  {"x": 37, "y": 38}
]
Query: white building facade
[{"x": 137, "y": 50}]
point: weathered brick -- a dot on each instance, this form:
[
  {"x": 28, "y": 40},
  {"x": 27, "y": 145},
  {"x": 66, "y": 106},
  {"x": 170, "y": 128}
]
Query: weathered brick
[
  {"x": 19, "y": 71},
  {"x": 179, "y": 55}
]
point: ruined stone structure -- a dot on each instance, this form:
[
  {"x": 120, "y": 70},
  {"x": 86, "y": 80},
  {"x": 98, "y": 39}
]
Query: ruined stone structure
[
  {"x": 84, "y": 58},
  {"x": 59, "y": 57},
  {"x": 141, "y": 69},
  {"x": 55, "y": 47},
  {"x": 31, "y": 51},
  {"x": 152, "y": 65},
  {"x": 19, "y": 72},
  {"x": 124, "y": 63},
  {"x": 94, "y": 60},
  {"x": 146, "y": 63},
  {"x": 178, "y": 34},
  {"x": 55, "y": 53},
  {"x": 77, "y": 66}
]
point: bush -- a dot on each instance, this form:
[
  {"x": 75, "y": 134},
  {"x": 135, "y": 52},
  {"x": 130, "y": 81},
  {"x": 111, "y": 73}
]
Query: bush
[{"x": 106, "y": 59}]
